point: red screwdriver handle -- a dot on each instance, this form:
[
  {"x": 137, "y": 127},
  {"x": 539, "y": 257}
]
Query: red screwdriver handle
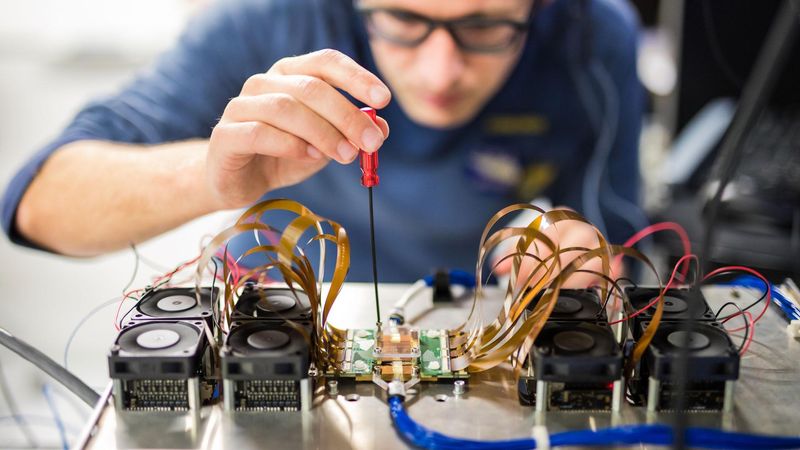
[{"x": 369, "y": 161}]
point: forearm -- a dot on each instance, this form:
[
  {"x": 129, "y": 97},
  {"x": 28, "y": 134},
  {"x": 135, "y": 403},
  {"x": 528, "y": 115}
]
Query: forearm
[{"x": 93, "y": 197}]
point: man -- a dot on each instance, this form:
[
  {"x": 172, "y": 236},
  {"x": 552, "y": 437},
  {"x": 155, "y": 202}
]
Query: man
[{"x": 482, "y": 97}]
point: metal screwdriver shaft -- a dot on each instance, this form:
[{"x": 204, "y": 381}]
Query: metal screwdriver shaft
[
  {"x": 369, "y": 178},
  {"x": 374, "y": 258}
]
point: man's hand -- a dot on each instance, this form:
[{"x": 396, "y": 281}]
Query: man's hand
[
  {"x": 565, "y": 234},
  {"x": 288, "y": 123}
]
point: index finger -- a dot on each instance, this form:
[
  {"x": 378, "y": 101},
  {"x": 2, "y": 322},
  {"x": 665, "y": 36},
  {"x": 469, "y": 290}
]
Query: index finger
[{"x": 340, "y": 71}]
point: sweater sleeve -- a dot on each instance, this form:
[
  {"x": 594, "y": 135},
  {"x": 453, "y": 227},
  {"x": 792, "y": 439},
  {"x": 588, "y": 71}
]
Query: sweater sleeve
[{"x": 178, "y": 97}]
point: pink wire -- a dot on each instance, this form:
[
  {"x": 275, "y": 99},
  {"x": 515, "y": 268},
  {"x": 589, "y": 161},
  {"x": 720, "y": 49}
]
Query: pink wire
[
  {"x": 663, "y": 226},
  {"x": 683, "y": 259}
]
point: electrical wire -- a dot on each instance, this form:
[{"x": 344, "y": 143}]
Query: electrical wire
[
  {"x": 36, "y": 421},
  {"x": 605, "y": 302},
  {"x": 46, "y": 390},
  {"x": 655, "y": 300},
  {"x": 768, "y": 289},
  {"x": 664, "y": 226},
  {"x": 747, "y": 330},
  {"x": 779, "y": 297},
  {"x": 592, "y": 183},
  {"x": 14, "y": 409},
  {"x": 80, "y": 324},
  {"x": 627, "y": 435},
  {"x": 135, "y": 268},
  {"x": 50, "y": 367}
]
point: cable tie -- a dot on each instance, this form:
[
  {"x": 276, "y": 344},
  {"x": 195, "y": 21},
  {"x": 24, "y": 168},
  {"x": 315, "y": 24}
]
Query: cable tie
[{"x": 542, "y": 437}]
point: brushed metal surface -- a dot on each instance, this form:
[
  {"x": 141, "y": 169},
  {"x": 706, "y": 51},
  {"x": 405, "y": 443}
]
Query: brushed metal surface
[{"x": 765, "y": 397}]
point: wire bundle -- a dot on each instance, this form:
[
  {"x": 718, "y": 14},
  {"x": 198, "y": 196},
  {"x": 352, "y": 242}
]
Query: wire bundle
[{"x": 627, "y": 435}]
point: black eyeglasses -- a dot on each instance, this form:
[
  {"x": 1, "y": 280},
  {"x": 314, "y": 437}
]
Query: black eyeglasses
[{"x": 472, "y": 34}]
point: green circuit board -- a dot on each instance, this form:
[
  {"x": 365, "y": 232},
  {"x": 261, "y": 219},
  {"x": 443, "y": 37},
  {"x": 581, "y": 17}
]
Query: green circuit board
[{"x": 359, "y": 356}]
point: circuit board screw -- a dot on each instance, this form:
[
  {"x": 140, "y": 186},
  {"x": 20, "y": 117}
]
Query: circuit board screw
[
  {"x": 333, "y": 387},
  {"x": 459, "y": 387}
]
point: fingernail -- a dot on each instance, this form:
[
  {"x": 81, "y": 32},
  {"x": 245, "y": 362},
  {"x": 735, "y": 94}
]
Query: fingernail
[
  {"x": 372, "y": 139},
  {"x": 346, "y": 151},
  {"x": 313, "y": 152},
  {"x": 378, "y": 95}
]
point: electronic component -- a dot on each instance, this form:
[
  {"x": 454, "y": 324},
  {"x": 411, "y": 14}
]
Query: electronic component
[
  {"x": 265, "y": 367},
  {"x": 175, "y": 304},
  {"x": 712, "y": 367},
  {"x": 575, "y": 305},
  {"x": 576, "y": 366},
  {"x": 398, "y": 350},
  {"x": 158, "y": 366},
  {"x": 272, "y": 303},
  {"x": 679, "y": 304}
]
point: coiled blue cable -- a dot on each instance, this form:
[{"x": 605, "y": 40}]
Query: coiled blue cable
[{"x": 420, "y": 436}]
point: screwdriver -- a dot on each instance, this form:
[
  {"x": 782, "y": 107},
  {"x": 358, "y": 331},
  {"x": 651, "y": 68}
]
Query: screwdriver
[{"x": 369, "y": 179}]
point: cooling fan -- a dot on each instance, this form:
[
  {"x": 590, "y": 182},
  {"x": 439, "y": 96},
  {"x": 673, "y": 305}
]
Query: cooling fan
[
  {"x": 577, "y": 366},
  {"x": 265, "y": 366},
  {"x": 679, "y": 304},
  {"x": 712, "y": 366},
  {"x": 157, "y": 365},
  {"x": 575, "y": 305},
  {"x": 258, "y": 302},
  {"x": 175, "y": 304}
]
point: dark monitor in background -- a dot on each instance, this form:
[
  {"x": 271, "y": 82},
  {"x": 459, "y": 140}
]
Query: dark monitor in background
[
  {"x": 720, "y": 42},
  {"x": 759, "y": 215}
]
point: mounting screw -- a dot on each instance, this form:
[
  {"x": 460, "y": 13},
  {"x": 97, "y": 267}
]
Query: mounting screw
[
  {"x": 333, "y": 387},
  {"x": 459, "y": 387}
]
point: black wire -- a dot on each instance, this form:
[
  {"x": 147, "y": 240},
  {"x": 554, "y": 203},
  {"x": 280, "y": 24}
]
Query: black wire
[
  {"x": 214, "y": 306},
  {"x": 611, "y": 291},
  {"x": 746, "y": 322},
  {"x": 759, "y": 300},
  {"x": 52, "y": 368}
]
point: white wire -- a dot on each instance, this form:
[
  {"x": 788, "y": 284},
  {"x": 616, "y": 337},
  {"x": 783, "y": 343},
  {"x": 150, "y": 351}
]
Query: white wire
[{"x": 410, "y": 293}]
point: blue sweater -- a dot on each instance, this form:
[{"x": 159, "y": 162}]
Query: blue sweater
[{"x": 438, "y": 187}]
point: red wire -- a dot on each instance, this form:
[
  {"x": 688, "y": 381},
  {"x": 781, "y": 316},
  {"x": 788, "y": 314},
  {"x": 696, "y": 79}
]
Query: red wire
[
  {"x": 767, "y": 298},
  {"x": 155, "y": 283},
  {"x": 664, "y": 226},
  {"x": 748, "y": 317},
  {"x": 666, "y": 288}
]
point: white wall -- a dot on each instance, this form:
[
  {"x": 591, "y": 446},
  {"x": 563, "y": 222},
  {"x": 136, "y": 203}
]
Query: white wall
[{"x": 54, "y": 56}]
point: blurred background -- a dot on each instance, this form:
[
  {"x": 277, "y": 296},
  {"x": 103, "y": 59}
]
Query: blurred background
[{"x": 55, "y": 55}]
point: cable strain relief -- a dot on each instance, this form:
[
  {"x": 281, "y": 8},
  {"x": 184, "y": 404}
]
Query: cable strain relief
[{"x": 397, "y": 389}]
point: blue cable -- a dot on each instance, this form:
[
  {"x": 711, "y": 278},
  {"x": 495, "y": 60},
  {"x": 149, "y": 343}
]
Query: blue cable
[
  {"x": 461, "y": 277},
  {"x": 62, "y": 432},
  {"x": 788, "y": 307},
  {"x": 627, "y": 435}
]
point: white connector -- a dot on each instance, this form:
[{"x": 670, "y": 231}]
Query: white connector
[{"x": 794, "y": 329}]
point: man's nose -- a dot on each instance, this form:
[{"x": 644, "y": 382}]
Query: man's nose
[{"x": 441, "y": 62}]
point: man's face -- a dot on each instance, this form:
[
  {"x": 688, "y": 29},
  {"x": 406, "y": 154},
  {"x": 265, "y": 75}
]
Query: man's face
[{"x": 437, "y": 83}]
